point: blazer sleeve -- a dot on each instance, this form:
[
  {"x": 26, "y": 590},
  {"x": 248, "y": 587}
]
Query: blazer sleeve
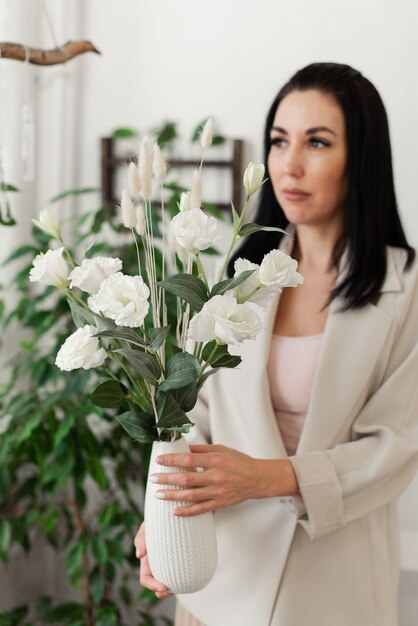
[{"x": 354, "y": 478}]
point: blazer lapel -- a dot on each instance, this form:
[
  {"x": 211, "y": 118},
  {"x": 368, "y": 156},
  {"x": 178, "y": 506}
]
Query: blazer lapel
[{"x": 353, "y": 342}]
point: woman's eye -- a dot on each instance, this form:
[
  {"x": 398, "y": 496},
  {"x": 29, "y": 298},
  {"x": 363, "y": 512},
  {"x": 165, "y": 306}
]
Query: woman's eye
[
  {"x": 315, "y": 142},
  {"x": 277, "y": 141}
]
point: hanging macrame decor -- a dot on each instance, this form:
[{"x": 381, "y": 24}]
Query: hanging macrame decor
[{"x": 36, "y": 56}]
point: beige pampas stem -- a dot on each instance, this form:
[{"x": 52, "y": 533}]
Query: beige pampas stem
[
  {"x": 146, "y": 155},
  {"x": 196, "y": 191},
  {"x": 127, "y": 210},
  {"x": 158, "y": 164},
  {"x": 206, "y": 137}
]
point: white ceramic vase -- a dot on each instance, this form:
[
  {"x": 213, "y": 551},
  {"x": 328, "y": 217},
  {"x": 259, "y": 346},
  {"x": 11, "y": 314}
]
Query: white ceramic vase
[{"x": 181, "y": 550}]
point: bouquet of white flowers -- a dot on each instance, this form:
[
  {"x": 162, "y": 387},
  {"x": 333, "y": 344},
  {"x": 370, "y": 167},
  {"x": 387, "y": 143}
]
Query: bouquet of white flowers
[{"x": 122, "y": 319}]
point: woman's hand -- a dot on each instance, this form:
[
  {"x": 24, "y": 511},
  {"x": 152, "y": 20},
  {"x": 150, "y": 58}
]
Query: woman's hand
[
  {"x": 146, "y": 579},
  {"x": 226, "y": 477}
]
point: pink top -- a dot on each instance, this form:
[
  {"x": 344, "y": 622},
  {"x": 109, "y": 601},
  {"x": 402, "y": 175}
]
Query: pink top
[{"x": 291, "y": 369}]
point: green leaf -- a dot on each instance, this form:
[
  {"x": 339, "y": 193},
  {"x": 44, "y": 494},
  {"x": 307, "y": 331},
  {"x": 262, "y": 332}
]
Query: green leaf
[
  {"x": 124, "y": 133},
  {"x": 235, "y": 217},
  {"x": 64, "y": 428},
  {"x": 220, "y": 357},
  {"x": 123, "y": 333},
  {"x": 249, "y": 229},
  {"x": 13, "y": 617},
  {"x": 108, "y": 515},
  {"x": 158, "y": 336},
  {"x": 8, "y": 187},
  {"x": 230, "y": 283},
  {"x": 186, "y": 397},
  {"x": 100, "y": 550},
  {"x": 75, "y": 192},
  {"x": 187, "y": 287},
  {"x": 138, "y": 425},
  {"x": 144, "y": 364},
  {"x": 83, "y": 316},
  {"x": 97, "y": 585},
  {"x": 19, "y": 252},
  {"x": 182, "y": 369},
  {"x": 106, "y": 616},
  {"x": 110, "y": 394},
  {"x": 96, "y": 470},
  {"x": 216, "y": 140},
  {"x": 171, "y": 415},
  {"x": 75, "y": 556},
  {"x": 5, "y": 538},
  {"x": 27, "y": 430},
  {"x": 165, "y": 134},
  {"x": 116, "y": 552}
]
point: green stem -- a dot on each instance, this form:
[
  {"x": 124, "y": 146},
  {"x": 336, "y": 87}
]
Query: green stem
[
  {"x": 202, "y": 273},
  {"x": 235, "y": 238}
]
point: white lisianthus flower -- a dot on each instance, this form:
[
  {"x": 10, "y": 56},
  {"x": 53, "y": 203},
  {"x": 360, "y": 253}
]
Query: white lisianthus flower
[
  {"x": 50, "y": 269},
  {"x": 224, "y": 320},
  {"x": 194, "y": 230},
  {"x": 278, "y": 270},
  {"x": 175, "y": 247},
  {"x": 49, "y": 223},
  {"x": 253, "y": 178},
  {"x": 123, "y": 299},
  {"x": 251, "y": 289},
  {"x": 92, "y": 272},
  {"x": 81, "y": 349}
]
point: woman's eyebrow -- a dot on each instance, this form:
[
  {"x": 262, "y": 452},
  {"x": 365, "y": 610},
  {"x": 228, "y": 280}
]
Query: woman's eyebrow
[{"x": 310, "y": 131}]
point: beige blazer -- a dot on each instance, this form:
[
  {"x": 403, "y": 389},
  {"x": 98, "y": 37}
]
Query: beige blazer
[{"x": 329, "y": 557}]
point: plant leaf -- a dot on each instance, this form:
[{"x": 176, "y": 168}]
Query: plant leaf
[
  {"x": 138, "y": 425},
  {"x": 19, "y": 252},
  {"x": 230, "y": 283},
  {"x": 144, "y": 364},
  {"x": 8, "y": 187},
  {"x": 123, "y": 333},
  {"x": 75, "y": 192},
  {"x": 99, "y": 550},
  {"x": 182, "y": 369},
  {"x": 96, "y": 585},
  {"x": 110, "y": 394},
  {"x": 123, "y": 133},
  {"x": 249, "y": 229},
  {"x": 158, "y": 336},
  {"x": 186, "y": 397},
  {"x": 5, "y": 538},
  {"x": 221, "y": 356},
  {"x": 171, "y": 415},
  {"x": 187, "y": 287}
]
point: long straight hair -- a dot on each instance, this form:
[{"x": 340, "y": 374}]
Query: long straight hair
[{"x": 371, "y": 219}]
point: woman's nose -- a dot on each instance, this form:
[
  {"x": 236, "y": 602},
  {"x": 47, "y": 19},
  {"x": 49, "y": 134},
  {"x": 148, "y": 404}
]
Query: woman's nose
[{"x": 293, "y": 165}]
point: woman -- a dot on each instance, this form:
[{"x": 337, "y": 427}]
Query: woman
[{"x": 313, "y": 434}]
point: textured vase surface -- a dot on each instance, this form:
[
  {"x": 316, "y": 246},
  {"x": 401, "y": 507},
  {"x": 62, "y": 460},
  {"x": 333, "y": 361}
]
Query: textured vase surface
[{"x": 181, "y": 550}]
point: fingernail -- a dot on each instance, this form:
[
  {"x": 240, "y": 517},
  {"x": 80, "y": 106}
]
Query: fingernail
[
  {"x": 138, "y": 553},
  {"x": 160, "y": 460},
  {"x": 153, "y": 478},
  {"x": 160, "y": 590},
  {"x": 160, "y": 495}
]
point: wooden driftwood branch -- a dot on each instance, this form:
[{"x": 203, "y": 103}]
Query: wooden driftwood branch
[{"x": 68, "y": 51}]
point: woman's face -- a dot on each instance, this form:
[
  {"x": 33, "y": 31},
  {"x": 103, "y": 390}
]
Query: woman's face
[{"x": 308, "y": 158}]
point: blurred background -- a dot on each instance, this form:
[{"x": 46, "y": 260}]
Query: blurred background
[{"x": 180, "y": 61}]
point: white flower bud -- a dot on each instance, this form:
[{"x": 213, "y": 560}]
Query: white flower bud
[
  {"x": 253, "y": 178},
  {"x": 185, "y": 203},
  {"x": 49, "y": 223}
]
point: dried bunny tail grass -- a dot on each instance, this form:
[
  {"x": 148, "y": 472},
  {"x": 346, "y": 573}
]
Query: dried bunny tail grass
[
  {"x": 196, "y": 191},
  {"x": 134, "y": 178},
  {"x": 127, "y": 210},
  {"x": 140, "y": 225},
  {"x": 159, "y": 165},
  {"x": 206, "y": 137},
  {"x": 146, "y": 155}
]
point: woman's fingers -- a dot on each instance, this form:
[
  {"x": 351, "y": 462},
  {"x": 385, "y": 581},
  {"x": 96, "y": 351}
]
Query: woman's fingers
[
  {"x": 181, "y": 479},
  {"x": 147, "y": 580}
]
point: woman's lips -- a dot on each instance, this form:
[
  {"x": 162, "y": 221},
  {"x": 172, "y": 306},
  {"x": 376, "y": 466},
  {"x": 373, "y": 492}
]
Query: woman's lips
[{"x": 295, "y": 194}]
